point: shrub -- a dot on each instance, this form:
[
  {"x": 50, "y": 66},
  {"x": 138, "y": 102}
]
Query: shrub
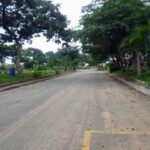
[
  {"x": 113, "y": 67},
  {"x": 57, "y": 72},
  {"x": 37, "y": 74}
]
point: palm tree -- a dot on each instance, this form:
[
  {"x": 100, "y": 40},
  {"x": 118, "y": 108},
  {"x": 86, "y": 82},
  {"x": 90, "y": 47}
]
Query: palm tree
[{"x": 138, "y": 41}]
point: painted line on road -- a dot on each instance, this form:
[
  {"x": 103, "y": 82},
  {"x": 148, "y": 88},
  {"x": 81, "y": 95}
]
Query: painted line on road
[
  {"x": 87, "y": 136},
  {"x": 119, "y": 132}
]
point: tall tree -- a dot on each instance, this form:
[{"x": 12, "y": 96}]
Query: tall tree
[
  {"x": 21, "y": 20},
  {"x": 106, "y": 24},
  {"x": 138, "y": 41}
]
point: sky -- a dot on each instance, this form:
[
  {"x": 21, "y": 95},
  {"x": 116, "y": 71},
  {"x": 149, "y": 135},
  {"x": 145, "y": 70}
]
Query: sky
[{"x": 70, "y": 8}]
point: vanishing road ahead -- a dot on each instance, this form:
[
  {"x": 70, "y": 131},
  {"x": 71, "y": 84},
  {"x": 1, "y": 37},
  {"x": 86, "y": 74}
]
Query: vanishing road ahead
[{"x": 63, "y": 113}]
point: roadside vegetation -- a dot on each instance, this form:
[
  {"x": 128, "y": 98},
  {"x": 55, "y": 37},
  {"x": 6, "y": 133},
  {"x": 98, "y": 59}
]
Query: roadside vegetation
[
  {"x": 20, "y": 21},
  {"x": 117, "y": 32},
  {"x": 36, "y": 64},
  {"x": 28, "y": 75},
  {"x": 145, "y": 76}
]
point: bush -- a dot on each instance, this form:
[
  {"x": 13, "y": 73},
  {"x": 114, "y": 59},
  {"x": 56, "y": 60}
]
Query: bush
[
  {"x": 113, "y": 67},
  {"x": 40, "y": 67},
  {"x": 57, "y": 72},
  {"x": 37, "y": 74}
]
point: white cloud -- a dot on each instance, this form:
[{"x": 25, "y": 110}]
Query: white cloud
[
  {"x": 42, "y": 44},
  {"x": 70, "y": 8}
]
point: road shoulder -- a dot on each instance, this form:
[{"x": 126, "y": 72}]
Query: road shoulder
[
  {"x": 9, "y": 86},
  {"x": 134, "y": 84}
]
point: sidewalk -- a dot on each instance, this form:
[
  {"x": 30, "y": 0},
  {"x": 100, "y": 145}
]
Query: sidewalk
[{"x": 134, "y": 84}]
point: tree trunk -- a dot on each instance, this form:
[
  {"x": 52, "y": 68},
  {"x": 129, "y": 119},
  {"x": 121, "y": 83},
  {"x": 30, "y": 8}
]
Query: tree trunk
[
  {"x": 134, "y": 62},
  {"x": 119, "y": 61},
  {"x": 138, "y": 66},
  {"x": 18, "y": 66}
]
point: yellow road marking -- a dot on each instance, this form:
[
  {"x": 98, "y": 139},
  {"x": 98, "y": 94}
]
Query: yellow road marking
[
  {"x": 87, "y": 136},
  {"x": 119, "y": 132},
  {"x": 86, "y": 143}
]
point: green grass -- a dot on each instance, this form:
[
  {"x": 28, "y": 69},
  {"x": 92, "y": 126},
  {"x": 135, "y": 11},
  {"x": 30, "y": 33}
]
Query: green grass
[
  {"x": 5, "y": 78},
  {"x": 144, "y": 77}
]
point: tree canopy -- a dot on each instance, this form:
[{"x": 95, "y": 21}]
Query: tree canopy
[
  {"x": 20, "y": 20},
  {"x": 6, "y": 51},
  {"x": 106, "y": 23}
]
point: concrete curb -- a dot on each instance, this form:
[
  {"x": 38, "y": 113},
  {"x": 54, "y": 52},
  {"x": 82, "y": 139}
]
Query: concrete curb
[
  {"x": 137, "y": 85},
  {"x": 9, "y": 86}
]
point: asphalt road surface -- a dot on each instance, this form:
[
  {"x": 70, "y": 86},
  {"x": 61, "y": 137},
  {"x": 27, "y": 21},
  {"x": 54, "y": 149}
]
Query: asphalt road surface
[{"x": 87, "y": 110}]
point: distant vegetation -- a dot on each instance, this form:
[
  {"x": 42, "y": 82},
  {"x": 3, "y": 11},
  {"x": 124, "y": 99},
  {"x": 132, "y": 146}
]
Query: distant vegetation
[{"x": 35, "y": 63}]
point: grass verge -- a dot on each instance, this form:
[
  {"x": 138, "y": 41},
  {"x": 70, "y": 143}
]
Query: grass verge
[
  {"x": 5, "y": 78},
  {"x": 129, "y": 73}
]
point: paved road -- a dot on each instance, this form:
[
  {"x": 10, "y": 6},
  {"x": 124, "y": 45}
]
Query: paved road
[{"x": 54, "y": 115}]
